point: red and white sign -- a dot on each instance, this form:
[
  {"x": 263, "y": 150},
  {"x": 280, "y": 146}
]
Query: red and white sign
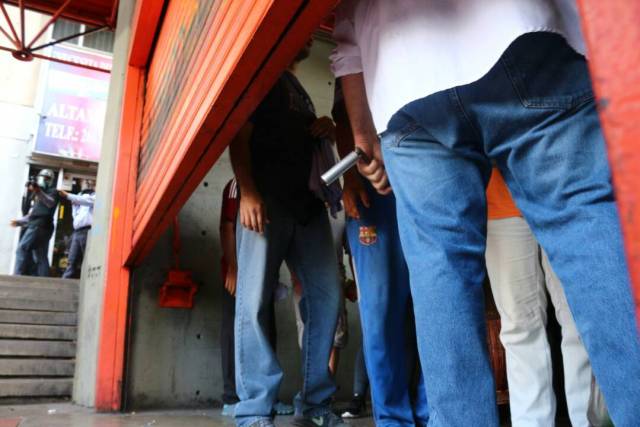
[{"x": 74, "y": 105}]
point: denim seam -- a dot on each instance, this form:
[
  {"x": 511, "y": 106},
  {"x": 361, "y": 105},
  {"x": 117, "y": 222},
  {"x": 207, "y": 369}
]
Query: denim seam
[
  {"x": 240, "y": 320},
  {"x": 463, "y": 112},
  {"x": 395, "y": 138},
  {"x": 307, "y": 328}
]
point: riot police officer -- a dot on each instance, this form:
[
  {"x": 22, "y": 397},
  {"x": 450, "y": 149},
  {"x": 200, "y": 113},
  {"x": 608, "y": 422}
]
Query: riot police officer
[{"x": 39, "y": 226}]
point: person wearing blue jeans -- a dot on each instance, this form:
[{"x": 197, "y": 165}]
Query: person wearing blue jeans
[
  {"x": 357, "y": 407},
  {"x": 388, "y": 329},
  {"x": 508, "y": 84},
  {"x": 384, "y": 297},
  {"x": 281, "y": 219}
]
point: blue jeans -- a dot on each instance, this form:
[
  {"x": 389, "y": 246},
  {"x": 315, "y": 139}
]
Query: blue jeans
[
  {"x": 309, "y": 250},
  {"x": 360, "y": 376},
  {"x": 76, "y": 254},
  {"x": 533, "y": 115},
  {"x": 388, "y": 328},
  {"x": 34, "y": 245}
]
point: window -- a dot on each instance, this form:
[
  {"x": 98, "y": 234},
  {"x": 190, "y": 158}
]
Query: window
[
  {"x": 100, "y": 40},
  {"x": 63, "y": 28}
]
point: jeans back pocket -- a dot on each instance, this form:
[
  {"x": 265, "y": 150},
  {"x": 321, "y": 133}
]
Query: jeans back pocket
[{"x": 546, "y": 72}]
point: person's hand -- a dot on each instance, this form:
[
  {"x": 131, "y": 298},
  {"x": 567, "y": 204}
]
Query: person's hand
[
  {"x": 231, "y": 280},
  {"x": 374, "y": 171},
  {"x": 14, "y": 223},
  {"x": 253, "y": 212},
  {"x": 323, "y": 128},
  {"x": 63, "y": 193},
  {"x": 37, "y": 189},
  {"x": 352, "y": 193}
]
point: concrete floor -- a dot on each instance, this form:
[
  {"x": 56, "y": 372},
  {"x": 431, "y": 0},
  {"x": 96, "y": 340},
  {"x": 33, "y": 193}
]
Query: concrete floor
[{"x": 68, "y": 415}]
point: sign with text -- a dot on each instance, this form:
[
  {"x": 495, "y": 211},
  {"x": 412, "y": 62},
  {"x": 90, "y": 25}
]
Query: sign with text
[{"x": 74, "y": 103}]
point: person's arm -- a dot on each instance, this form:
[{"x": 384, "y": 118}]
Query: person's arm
[
  {"x": 346, "y": 57},
  {"x": 80, "y": 200},
  {"x": 253, "y": 214},
  {"x": 228, "y": 237},
  {"x": 49, "y": 200},
  {"x": 364, "y": 132},
  {"x": 346, "y": 63},
  {"x": 353, "y": 190},
  {"x": 20, "y": 222}
]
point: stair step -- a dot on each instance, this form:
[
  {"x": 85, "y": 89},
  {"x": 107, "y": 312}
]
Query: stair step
[
  {"x": 36, "y": 367},
  {"x": 43, "y": 348},
  {"x": 38, "y": 317},
  {"x": 68, "y": 333},
  {"x": 18, "y": 303},
  {"x": 13, "y": 291},
  {"x": 42, "y": 282},
  {"x": 35, "y": 387}
]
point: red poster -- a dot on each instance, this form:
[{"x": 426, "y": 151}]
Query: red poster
[{"x": 74, "y": 105}]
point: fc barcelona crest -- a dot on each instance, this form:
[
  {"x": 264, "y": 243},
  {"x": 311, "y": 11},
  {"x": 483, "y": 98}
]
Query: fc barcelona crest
[{"x": 368, "y": 235}]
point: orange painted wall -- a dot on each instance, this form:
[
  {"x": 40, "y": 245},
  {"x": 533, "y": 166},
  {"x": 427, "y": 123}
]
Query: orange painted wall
[{"x": 612, "y": 32}]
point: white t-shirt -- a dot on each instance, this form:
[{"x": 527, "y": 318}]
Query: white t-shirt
[{"x": 409, "y": 49}]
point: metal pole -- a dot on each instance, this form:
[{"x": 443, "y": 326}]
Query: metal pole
[
  {"x": 53, "y": 18},
  {"x": 73, "y": 36},
  {"x": 11, "y": 27}
]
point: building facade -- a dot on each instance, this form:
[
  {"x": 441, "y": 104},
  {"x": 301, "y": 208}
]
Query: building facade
[{"x": 51, "y": 116}]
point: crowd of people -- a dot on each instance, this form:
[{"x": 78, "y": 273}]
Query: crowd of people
[
  {"x": 39, "y": 205},
  {"x": 482, "y": 153}
]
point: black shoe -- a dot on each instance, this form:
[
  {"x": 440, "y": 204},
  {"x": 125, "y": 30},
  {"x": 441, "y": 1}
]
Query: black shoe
[
  {"x": 355, "y": 409},
  {"x": 325, "y": 419}
]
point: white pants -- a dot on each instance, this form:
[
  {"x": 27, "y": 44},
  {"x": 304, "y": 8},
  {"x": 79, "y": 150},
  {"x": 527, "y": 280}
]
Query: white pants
[{"x": 519, "y": 271}]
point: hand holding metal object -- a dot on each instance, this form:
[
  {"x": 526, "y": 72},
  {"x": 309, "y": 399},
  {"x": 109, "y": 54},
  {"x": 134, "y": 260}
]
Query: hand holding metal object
[{"x": 340, "y": 168}]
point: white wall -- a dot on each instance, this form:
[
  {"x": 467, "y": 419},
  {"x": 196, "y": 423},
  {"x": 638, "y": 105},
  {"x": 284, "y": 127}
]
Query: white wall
[{"x": 18, "y": 124}]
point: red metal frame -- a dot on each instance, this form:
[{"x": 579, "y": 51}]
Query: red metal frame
[
  {"x": 51, "y": 20},
  {"x": 15, "y": 39},
  {"x": 26, "y": 52},
  {"x": 61, "y": 61},
  {"x": 612, "y": 33},
  {"x": 94, "y": 12}
]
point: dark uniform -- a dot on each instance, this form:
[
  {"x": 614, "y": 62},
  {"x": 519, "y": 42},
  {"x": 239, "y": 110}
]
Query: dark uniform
[{"x": 35, "y": 240}]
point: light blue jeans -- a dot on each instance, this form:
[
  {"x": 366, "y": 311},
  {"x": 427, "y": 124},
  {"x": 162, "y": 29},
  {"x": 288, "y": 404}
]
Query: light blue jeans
[
  {"x": 309, "y": 250},
  {"x": 534, "y": 115}
]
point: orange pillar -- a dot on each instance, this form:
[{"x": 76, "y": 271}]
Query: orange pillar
[
  {"x": 612, "y": 32},
  {"x": 113, "y": 325}
]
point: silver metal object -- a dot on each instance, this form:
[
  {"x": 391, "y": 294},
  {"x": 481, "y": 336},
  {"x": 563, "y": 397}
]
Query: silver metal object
[{"x": 339, "y": 169}]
